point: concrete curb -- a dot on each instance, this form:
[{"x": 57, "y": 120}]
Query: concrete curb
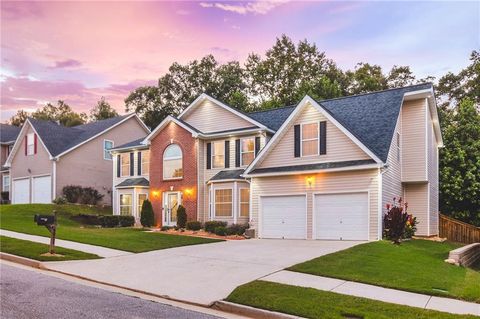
[
  {"x": 251, "y": 312},
  {"x": 22, "y": 260}
]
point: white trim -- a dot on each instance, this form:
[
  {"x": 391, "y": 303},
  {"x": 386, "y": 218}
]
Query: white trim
[
  {"x": 104, "y": 131},
  {"x": 428, "y": 209},
  {"x": 160, "y": 126},
  {"x": 240, "y": 202},
  {"x": 308, "y": 100},
  {"x": 165, "y": 204},
  {"x": 108, "y": 151},
  {"x": 340, "y": 169},
  {"x": 310, "y": 139},
  {"x": 204, "y": 96},
  {"x": 355, "y": 191},
  {"x": 380, "y": 205},
  {"x": 54, "y": 180},
  {"x": 241, "y": 153},
  {"x": 427, "y": 142},
  {"x": 260, "y": 212},
  {"x": 137, "y": 194},
  {"x": 19, "y": 139},
  {"x": 238, "y": 132},
  {"x": 219, "y": 181},
  {"x": 215, "y": 201},
  {"x": 3, "y": 182},
  {"x": 235, "y": 200}
]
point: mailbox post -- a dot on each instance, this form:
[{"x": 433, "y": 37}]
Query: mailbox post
[{"x": 50, "y": 222}]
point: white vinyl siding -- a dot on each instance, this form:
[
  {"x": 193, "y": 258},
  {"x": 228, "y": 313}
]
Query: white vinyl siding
[
  {"x": 339, "y": 146},
  {"x": 416, "y": 195}
]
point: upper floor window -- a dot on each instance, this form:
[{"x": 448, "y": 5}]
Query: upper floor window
[
  {"x": 247, "y": 151},
  {"x": 309, "y": 139},
  {"x": 172, "y": 162},
  {"x": 145, "y": 162},
  {"x": 218, "y": 154},
  {"x": 30, "y": 144},
  {"x": 107, "y": 146},
  {"x": 125, "y": 164}
]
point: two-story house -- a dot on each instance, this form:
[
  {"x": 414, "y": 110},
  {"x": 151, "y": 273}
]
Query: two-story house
[
  {"x": 317, "y": 170},
  {"x": 47, "y": 156},
  {"x": 8, "y": 135}
]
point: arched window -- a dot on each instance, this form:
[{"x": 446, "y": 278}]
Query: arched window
[{"x": 172, "y": 162}]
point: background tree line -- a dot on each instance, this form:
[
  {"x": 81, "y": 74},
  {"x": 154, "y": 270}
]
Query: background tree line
[{"x": 289, "y": 71}]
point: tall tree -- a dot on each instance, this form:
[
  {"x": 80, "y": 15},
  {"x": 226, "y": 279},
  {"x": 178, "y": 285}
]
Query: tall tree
[
  {"x": 102, "y": 111},
  {"x": 19, "y": 118},
  {"x": 146, "y": 102},
  {"x": 61, "y": 112},
  {"x": 460, "y": 164},
  {"x": 366, "y": 78}
]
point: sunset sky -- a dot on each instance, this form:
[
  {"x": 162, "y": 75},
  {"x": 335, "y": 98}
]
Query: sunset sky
[{"x": 80, "y": 51}]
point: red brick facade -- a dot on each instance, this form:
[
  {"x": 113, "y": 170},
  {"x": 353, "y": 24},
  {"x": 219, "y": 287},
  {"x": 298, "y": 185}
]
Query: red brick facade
[{"x": 174, "y": 134}]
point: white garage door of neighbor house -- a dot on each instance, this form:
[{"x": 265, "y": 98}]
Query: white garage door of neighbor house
[
  {"x": 42, "y": 189},
  {"x": 284, "y": 217},
  {"x": 341, "y": 216},
  {"x": 21, "y": 191}
]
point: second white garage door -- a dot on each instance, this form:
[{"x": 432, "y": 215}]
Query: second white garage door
[
  {"x": 21, "y": 191},
  {"x": 42, "y": 189},
  {"x": 283, "y": 217},
  {"x": 341, "y": 216}
]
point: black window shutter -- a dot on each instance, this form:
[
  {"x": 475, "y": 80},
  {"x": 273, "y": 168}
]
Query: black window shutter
[
  {"x": 139, "y": 163},
  {"x": 323, "y": 138},
  {"x": 118, "y": 165},
  {"x": 237, "y": 153},
  {"x": 257, "y": 145},
  {"x": 209, "y": 155},
  {"x": 132, "y": 171},
  {"x": 296, "y": 136},
  {"x": 227, "y": 154}
]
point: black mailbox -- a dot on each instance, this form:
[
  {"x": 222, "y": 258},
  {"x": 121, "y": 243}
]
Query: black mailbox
[{"x": 44, "y": 220}]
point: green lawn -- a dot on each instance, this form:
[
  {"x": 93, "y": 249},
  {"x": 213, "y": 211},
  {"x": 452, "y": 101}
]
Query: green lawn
[
  {"x": 33, "y": 250},
  {"x": 313, "y": 303},
  {"x": 416, "y": 265},
  {"x": 19, "y": 218}
]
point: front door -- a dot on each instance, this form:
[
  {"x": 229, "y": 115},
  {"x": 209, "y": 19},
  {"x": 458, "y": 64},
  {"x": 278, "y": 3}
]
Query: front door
[{"x": 171, "y": 200}]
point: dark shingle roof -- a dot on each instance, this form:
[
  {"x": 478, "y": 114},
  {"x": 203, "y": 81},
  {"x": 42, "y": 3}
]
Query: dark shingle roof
[
  {"x": 311, "y": 167},
  {"x": 140, "y": 181},
  {"x": 228, "y": 175},
  {"x": 58, "y": 138},
  {"x": 8, "y": 133},
  {"x": 371, "y": 117},
  {"x": 135, "y": 143},
  {"x": 273, "y": 118}
]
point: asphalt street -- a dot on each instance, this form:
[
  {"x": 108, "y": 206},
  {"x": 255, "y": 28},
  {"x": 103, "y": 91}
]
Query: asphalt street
[{"x": 29, "y": 294}]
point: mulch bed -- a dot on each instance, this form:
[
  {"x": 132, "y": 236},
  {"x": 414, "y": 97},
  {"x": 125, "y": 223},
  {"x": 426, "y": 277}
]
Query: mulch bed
[{"x": 198, "y": 233}]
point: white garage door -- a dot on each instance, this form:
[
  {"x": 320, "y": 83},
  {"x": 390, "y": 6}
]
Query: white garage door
[
  {"x": 42, "y": 189},
  {"x": 341, "y": 216},
  {"x": 283, "y": 217},
  {"x": 21, "y": 191}
]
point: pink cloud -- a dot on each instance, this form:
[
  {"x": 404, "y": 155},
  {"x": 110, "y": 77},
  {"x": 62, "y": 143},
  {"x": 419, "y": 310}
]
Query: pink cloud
[
  {"x": 258, "y": 7},
  {"x": 69, "y": 63}
]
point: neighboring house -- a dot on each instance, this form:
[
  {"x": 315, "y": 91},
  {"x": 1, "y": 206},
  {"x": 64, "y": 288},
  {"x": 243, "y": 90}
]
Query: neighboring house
[
  {"x": 8, "y": 135},
  {"x": 47, "y": 156},
  {"x": 317, "y": 170}
]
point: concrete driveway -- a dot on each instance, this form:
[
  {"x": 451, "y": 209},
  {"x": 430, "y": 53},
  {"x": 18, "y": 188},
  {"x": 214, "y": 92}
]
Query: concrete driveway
[{"x": 200, "y": 274}]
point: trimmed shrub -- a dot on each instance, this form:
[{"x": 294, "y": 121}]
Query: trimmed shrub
[
  {"x": 109, "y": 221},
  {"x": 221, "y": 231},
  {"x": 165, "y": 228},
  {"x": 5, "y": 196},
  {"x": 194, "y": 225},
  {"x": 60, "y": 200},
  {"x": 87, "y": 219},
  {"x": 211, "y": 225},
  {"x": 147, "y": 217},
  {"x": 72, "y": 193},
  {"x": 181, "y": 217},
  {"x": 90, "y": 196},
  {"x": 237, "y": 229},
  {"x": 126, "y": 221}
]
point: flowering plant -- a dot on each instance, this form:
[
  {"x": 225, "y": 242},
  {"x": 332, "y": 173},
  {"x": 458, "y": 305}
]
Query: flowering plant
[{"x": 397, "y": 223}]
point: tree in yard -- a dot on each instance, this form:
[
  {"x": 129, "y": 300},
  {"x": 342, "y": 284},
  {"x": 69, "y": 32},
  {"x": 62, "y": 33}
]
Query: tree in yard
[
  {"x": 102, "y": 111},
  {"x": 61, "y": 112},
  {"x": 147, "y": 217},
  {"x": 460, "y": 164},
  {"x": 366, "y": 78},
  {"x": 19, "y": 118}
]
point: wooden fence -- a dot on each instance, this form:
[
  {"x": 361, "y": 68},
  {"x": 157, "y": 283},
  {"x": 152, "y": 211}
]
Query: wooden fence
[{"x": 455, "y": 230}]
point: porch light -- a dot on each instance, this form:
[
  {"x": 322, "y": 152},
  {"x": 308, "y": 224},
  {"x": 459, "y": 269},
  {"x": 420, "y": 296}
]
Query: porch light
[
  {"x": 310, "y": 180},
  {"x": 155, "y": 193},
  {"x": 188, "y": 191}
]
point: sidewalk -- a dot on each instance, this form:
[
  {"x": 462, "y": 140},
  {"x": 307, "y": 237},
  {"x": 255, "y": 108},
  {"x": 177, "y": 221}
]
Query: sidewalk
[
  {"x": 97, "y": 250},
  {"x": 374, "y": 292}
]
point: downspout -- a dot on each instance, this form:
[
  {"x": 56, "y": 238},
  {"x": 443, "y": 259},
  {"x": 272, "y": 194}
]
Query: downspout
[{"x": 381, "y": 171}]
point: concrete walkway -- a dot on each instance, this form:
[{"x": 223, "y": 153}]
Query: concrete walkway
[
  {"x": 374, "y": 292},
  {"x": 97, "y": 250}
]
